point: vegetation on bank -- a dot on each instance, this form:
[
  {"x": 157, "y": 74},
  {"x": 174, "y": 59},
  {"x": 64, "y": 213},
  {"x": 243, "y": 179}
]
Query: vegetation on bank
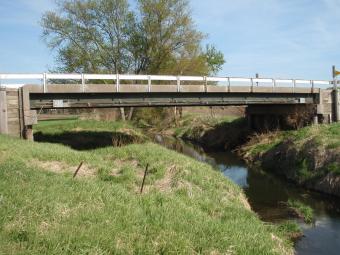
[
  {"x": 214, "y": 133},
  {"x": 290, "y": 229},
  {"x": 309, "y": 156},
  {"x": 325, "y": 135},
  {"x": 186, "y": 207},
  {"x": 88, "y": 134},
  {"x": 193, "y": 124},
  {"x": 303, "y": 211}
]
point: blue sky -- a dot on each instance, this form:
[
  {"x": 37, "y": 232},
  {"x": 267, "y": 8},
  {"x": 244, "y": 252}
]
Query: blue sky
[{"x": 275, "y": 38}]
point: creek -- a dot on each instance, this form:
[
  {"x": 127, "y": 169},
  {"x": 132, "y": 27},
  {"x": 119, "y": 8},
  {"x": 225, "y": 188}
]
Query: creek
[{"x": 268, "y": 194}]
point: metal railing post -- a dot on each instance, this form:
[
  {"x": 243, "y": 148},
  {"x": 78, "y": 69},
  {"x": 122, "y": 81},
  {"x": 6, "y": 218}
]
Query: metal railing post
[
  {"x": 44, "y": 82},
  {"x": 178, "y": 84},
  {"x": 312, "y": 85},
  {"x": 252, "y": 84},
  {"x": 83, "y": 82},
  {"x": 117, "y": 83},
  {"x": 205, "y": 84},
  {"x": 229, "y": 84},
  {"x": 149, "y": 83}
]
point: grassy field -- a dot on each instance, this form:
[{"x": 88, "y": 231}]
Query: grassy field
[{"x": 186, "y": 207}]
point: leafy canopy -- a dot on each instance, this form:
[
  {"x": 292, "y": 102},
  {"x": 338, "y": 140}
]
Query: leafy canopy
[{"x": 107, "y": 36}]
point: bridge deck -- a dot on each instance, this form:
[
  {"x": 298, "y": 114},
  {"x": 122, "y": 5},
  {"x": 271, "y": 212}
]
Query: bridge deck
[{"x": 99, "y": 95}]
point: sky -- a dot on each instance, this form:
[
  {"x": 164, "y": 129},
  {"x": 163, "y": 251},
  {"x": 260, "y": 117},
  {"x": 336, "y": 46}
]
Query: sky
[{"x": 274, "y": 38}]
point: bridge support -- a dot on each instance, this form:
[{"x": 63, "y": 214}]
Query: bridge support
[
  {"x": 3, "y": 112},
  {"x": 16, "y": 118},
  {"x": 273, "y": 117},
  {"x": 336, "y": 105}
]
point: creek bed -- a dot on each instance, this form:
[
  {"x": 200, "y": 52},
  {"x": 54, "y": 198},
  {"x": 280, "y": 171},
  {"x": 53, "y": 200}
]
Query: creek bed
[{"x": 267, "y": 195}]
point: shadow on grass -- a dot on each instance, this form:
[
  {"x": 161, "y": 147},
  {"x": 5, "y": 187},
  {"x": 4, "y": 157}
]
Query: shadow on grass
[{"x": 85, "y": 140}]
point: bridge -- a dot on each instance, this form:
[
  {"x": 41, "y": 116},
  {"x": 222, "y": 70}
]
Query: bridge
[{"x": 19, "y": 103}]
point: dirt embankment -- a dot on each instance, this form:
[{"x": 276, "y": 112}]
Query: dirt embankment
[{"x": 308, "y": 162}]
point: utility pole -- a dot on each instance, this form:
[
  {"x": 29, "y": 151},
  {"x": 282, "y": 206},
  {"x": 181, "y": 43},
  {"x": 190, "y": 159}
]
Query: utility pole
[{"x": 336, "y": 95}]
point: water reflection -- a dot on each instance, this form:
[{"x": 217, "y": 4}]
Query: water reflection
[{"x": 267, "y": 194}]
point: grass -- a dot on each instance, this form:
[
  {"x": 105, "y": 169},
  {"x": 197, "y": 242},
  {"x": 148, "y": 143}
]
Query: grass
[
  {"x": 61, "y": 126},
  {"x": 187, "y": 207},
  {"x": 193, "y": 124},
  {"x": 88, "y": 134},
  {"x": 291, "y": 229},
  {"x": 327, "y": 135},
  {"x": 302, "y": 210},
  {"x": 322, "y": 137}
]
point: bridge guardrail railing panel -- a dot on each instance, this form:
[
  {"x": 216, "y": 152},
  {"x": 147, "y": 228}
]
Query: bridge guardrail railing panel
[{"x": 182, "y": 83}]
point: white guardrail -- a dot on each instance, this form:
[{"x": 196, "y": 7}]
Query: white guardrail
[{"x": 228, "y": 81}]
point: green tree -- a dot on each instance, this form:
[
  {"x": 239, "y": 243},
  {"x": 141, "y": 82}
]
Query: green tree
[
  {"x": 90, "y": 36},
  {"x": 214, "y": 59},
  {"x": 106, "y": 36}
]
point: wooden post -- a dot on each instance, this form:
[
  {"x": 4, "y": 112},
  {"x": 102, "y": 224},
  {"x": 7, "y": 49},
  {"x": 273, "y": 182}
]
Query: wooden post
[
  {"x": 76, "y": 172},
  {"x": 336, "y": 97},
  {"x": 3, "y": 112},
  {"x": 28, "y": 133},
  {"x": 144, "y": 177}
]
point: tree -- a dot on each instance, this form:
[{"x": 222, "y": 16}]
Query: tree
[
  {"x": 106, "y": 36},
  {"x": 90, "y": 36},
  {"x": 214, "y": 59}
]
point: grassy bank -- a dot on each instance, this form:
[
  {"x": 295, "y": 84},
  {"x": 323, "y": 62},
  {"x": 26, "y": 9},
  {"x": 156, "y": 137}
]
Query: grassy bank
[
  {"x": 309, "y": 156},
  {"x": 303, "y": 211},
  {"x": 88, "y": 134},
  {"x": 212, "y": 133},
  {"x": 187, "y": 207}
]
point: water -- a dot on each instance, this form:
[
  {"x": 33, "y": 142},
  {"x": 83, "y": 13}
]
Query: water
[{"x": 267, "y": 194}]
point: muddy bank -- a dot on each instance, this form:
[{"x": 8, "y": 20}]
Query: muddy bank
[{"x": 308, "y": 162}]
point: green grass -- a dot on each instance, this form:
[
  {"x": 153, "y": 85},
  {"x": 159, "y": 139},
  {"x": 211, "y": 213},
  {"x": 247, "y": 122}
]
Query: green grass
[
  {"x": 322, "y": 137},
  {"x": 334, "y": 168},
  {"x": 193, "y": 124},
  {"x": 60, "y": 126},
  {"x": 88, "y": 134},
  {"x": 291, "y": 229},
  {"x": 302, "y": 210},
  {"x": 187, "y": 207},
  {"x": 326, "y": 135}
]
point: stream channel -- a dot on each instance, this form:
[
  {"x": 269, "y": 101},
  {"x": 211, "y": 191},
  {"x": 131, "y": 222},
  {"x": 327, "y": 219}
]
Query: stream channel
[{"x": 267, "y": 195}]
